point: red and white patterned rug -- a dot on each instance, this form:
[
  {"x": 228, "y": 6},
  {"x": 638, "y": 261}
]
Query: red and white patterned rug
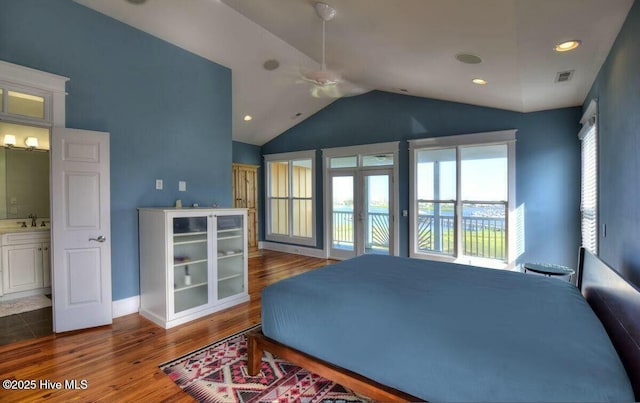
[{"x": 218, "y": 373}]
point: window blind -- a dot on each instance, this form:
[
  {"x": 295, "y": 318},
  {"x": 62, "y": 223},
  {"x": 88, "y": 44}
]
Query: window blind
[{"x": 589, "y": 189}]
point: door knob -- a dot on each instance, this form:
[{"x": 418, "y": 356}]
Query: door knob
[{"x": 98, "y": 239}]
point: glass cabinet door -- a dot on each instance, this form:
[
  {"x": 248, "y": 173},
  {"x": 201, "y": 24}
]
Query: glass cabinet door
[
  {"x": 190, "y": 263},
  {"x": 231, "y": 250}
]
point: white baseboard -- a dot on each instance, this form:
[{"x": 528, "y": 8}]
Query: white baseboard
[
  {"x": 125, "y": 306},
  {"x": 294, "y": 249}
]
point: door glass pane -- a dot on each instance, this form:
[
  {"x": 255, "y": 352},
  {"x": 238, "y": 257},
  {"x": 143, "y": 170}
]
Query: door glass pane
[
  {"x": 436, "y": 174},
  {"x": 376, "y": 209},
  {"x": 280, "y": 216},
  {"x": 377, "y": 160},
  {"x": 344, "y": 162},
  {"x": 436, "y": 228},
  {"x": 342, "y": 191},
  {"x": 230, "y": 257},
  {"x": 19, "y": 103},
  {"x": 190, "y": 263}
]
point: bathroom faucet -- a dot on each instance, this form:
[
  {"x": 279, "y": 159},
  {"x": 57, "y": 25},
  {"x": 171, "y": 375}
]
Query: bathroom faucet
[{"x": 33, "y": 220}]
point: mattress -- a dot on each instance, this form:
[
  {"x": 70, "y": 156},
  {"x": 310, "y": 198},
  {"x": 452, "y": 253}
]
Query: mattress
[{"x": 447, "y": 332}]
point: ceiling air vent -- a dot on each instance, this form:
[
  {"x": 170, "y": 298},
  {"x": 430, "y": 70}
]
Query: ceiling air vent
[{"x": 564, "y": 76}]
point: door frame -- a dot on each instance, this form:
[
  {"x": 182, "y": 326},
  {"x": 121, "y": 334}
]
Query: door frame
[{"x": 360, "y": 152}]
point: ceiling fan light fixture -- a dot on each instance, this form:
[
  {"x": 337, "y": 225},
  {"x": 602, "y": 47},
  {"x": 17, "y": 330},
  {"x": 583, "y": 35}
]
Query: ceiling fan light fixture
[
  {"x": 325, "y": 11},
  {"x": 322, "y": 78}
]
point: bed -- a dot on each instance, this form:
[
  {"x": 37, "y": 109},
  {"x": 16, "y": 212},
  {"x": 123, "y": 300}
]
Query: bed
[{"x": 394, "y": 328}]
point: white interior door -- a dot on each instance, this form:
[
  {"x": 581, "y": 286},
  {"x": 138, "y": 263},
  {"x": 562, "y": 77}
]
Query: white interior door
[{"x": 80, "y": 229}]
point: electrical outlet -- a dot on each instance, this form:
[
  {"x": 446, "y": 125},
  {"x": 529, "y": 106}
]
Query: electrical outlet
[
  {"x": 182, "y": 186},
  {"x": 159, "y": 184}
]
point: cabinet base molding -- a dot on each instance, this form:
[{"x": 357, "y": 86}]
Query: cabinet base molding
[{"x": 167, "y": 324}]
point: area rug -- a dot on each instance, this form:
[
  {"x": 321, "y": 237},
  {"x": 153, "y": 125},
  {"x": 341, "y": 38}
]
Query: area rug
[
  {"x": 218, "y": 373},
  {"x": 26, "y": 304}
]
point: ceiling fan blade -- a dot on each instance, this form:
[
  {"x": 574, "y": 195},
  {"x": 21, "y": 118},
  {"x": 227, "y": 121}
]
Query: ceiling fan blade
[{"x": 340, "y": 90}]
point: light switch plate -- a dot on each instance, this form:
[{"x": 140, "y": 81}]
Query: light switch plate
[
  {"x": 182, "y": 186},
  {"x": 159, "y": 184}
]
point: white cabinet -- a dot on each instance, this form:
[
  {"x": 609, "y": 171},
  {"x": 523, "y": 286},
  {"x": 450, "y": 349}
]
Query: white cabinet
[
  {"x": 193, "y": 262},
  {"x": 25, "y": 261}
]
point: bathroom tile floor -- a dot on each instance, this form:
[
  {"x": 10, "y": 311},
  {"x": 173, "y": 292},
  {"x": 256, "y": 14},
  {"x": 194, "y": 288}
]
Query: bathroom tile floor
[{"x": 26, "y": 325}]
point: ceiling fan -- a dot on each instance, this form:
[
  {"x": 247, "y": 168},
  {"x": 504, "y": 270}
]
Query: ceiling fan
[{"x": 327, "y": 83}]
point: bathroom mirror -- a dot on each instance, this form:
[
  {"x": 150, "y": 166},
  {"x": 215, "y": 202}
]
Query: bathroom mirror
[{"x": 24, "y": 174}]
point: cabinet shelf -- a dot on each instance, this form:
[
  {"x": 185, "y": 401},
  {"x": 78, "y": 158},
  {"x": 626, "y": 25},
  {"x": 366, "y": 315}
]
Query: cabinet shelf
[
  {"x": 228, "y": 256},
  {"x": 222, "y": 238},
  {"x": 229, "y": 277},
  {"x": 188, "y": 287},
  {"x": 190, "y": 242},
  {"x": 223, "y": 231},
  {"x": 189, "y": 234},
  {"x": 182, "y": 264}
]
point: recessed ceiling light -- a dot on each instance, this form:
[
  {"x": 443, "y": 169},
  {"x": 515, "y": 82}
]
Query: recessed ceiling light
[
  {"x": 567, "y": 46},
  {"x": 479, "y": 81},
  {"x": 468, "y": 58},
  {"x": 247, "y": 118}
]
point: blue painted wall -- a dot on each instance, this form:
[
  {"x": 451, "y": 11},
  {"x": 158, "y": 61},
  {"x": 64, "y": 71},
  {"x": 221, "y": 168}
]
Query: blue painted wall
[
  {"x": 617, "y": 89},
  {"x": 244, "y": 153},
  {"x": 168, "y": 111},
  {"x": 547, "y": 157}
]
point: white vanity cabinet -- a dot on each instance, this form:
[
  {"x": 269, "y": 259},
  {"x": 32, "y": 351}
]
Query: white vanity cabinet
[
  {"x": 193, "y": 262},
  {"x": 25, "y": 261}
]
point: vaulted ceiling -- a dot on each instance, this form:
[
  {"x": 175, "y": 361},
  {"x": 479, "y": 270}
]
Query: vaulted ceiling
[{"x": 404, "y": 46}]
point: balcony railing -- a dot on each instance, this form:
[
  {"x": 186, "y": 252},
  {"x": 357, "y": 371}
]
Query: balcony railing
[
  {"x": 377, "y": 235},
  {"x": 481, "y": 236}
]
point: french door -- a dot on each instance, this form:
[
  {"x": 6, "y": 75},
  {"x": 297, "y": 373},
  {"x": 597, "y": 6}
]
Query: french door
[{"x": 361, "y": 212}]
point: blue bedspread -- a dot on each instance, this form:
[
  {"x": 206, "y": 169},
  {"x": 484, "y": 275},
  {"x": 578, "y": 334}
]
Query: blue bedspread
[{"x": 447, "y": 332}]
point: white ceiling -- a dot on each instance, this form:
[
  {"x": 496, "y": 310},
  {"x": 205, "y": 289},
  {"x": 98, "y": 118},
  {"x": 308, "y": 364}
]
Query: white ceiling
[{"x": 386, "y": 45}]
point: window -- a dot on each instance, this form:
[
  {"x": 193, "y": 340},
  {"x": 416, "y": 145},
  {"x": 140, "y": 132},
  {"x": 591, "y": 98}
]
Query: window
[
  {"x": 31, "y": 97},
  {"x": 589, "y": 181},
  {"x": 23, "y": 103},
  {"x": 463, "y": 189},
  {"x": 290, "y": 197}
]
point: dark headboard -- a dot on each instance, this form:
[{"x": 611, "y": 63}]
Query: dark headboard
[{"x": 616, "y": 302}]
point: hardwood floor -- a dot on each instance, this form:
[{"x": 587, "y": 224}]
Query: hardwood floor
[{"x": 120, "y": 362}]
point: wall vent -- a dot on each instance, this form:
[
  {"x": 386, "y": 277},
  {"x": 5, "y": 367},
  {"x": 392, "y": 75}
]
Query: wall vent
[{"x": 564, "y": 76}]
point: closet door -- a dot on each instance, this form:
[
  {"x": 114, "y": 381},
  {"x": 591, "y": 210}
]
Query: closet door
[{"x": 245, "y": 195}]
